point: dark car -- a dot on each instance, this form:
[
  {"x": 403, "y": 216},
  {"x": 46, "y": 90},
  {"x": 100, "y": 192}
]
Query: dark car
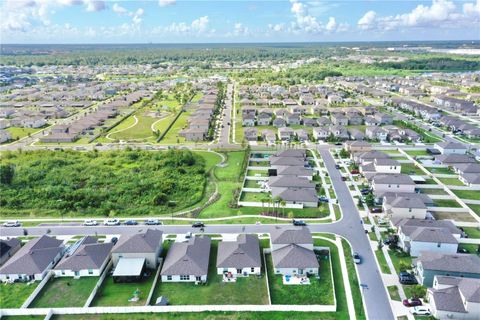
[
  {"x": 131, "y": 223},
  {"x": 354, "y": 171},
  {"x": 299, "y": 222},
  {"x": 344, "y": 178},
  {"x": 407, "y": 278},
  {"x": 198, "y": 224},
  {"x": 323, "y": 199},
  {"x": 337, "y": 166},
  {"x": 356, "y": 258},
  {"x": 413, "y": 302},
  {"x": 376, "y": 210}
]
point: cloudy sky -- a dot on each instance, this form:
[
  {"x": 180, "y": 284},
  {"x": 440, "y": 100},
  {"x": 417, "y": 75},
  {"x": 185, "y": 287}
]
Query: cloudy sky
[{"x": 177, "y": 21}]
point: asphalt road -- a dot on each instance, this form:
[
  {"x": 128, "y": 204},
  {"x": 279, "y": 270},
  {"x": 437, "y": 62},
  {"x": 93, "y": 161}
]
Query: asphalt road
[{"x": 375, "y": 297}]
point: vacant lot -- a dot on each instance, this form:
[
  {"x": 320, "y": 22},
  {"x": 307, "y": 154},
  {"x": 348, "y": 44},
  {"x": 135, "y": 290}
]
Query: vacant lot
[
  {"x": 13, "y": 295},
  {"x": 65, "y": 292},
  {"x": 101, "y": 183},
  {"x": 248, "y": 290},
  {"x": 320, "y": 291}
]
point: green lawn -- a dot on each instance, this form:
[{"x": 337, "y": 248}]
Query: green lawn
[
  {"x": 450, "y": 203},
  {"x": 430, "y": 181},
  {"x": 400, "y": 258},
  {"x": 393, "y": 292},
  {"x": 433, "y": 191},
  {"x": 113, "y": 294},
  {"x": 13, "y": 295},
  {"x": 253, "y": 173},
  {"x": 162, "y": 124},
  {"x": 141, "y": 131},
  {"x": 254, "y": 196},
  {"x": 440, "y": 170},
  {"x": 65, "y": 292},
  {"x": 19, "y": 133},
  {"x": 354, "y": 284},
  {"x": 415, "y": 153},
  {"x": 410, "y": 168},
  {"x": 251, "y": 184},
  {"x": 467, "y": 194},
  {"x": 475, "y": 208},
  {"x": 259, "y": 163},
  {"x": 382, "y": 261},
  {"x": 472, "y": 232},
  {"x": 320, "y": 291},
  {"x": 231, "y": 171},
  {"x": 248, "y": 290},
  {"x": 470, "y": 247},
  {"x": 211, "y": 159},
  {"x": 172, "y": 136},
  {"x": 277, "y": 315},
  {"x": 451, "y": 181}
]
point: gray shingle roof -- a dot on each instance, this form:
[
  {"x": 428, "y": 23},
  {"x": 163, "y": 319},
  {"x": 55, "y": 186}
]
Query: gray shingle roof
[
  {"x": 291, "y": 234},
  {"x": 34, "y": 257},
  {"x": 448, "y": 299},
  {"x": 450, "y": 145},
  {"x": 89, "y": 255},
  {"x": 188, "y": 258},
  {"x": 409, "y": 225},
  {"x": 294, "y": 256},
  {"x": 290, "y": 182},
  {"x": 393, "y": 179},
  {"x": 454, "y": 262},
  {"x": 294, "y": 170},
  {"x": 243, "y": 253},
  {"x": 470, "y": 287},
  {"x": 148, "y": 241},
  {"x": 455, "y": 158},
  {"x": 295, "y": 194},
  {"x": 436, "y": 235},
  {"x": 295, "y": 153},
  {"x": 407, "y": 202},
  {"x": 287, "y": 161},
  {"x": 7, "y": 245}
]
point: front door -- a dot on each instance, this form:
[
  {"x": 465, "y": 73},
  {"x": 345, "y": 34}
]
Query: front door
[{"x": 300, "y": 271}]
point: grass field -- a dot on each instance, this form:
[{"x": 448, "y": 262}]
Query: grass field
[
  {"x": 13, "y": 295},
  {"x": 468, "y": 194},
  {"x": 475, "y": 208},
  {"x": 320, "y": 291},
  {"x": 172, "y": 136},
  {"x": 382, "y": 261},
  {"x": 142, "y": 130},
  {"x": 410, "y": 168},
  {"x": 117, "y": 294},
  {"x": 433, "y": 191},
  {"x": 440, "y": 170},
  {"x": 393, "y": 292},
  {"x": 450, "y": 203},
  {"x": 415, "y": 153},
  {"x": 248, "y": 290},
  {"x": 399, "y": 259},
  {"x": 472, "y": 232},
  {"x": 451, "y": 181},
  {"x": 19, "y": 133},
  {"x": 65, "y": 292}
]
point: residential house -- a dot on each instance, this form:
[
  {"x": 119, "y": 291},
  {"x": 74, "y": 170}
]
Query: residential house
[
  {"x": 446, "y": 147},
  {"x": 470, "y": 179},
  {"x": 295, "y": 171},
  {"x": 320, "y": 133},
  {"x": 285, "y": 134},
  {"x": 454, "y": 298},
  {"x": 371, "y": 121},
  {"x": 339, "y": 132},
  {"x": 393, "y": 183},
  {"x": 87, "y": 258},
  {"x": 376, "y": 133},
  {"x": 383, "y": 118},
  {"x": 33, "y": 261},
  {"x": 356, "y": 134},
  {"x": 293, "y": 119},
  {"x": 8, "y": 248},
  {"x": 282, "y": 236},
  {"x": 417, "y": 235},
  {"x": 454, "y": 159},
  {"x": 357, "y": 146},
  {"x": 431, "y": 264},
  {"x": 301, "y": 134},
  {"x": 279, "y": 122},
  {"x": 240, "y": 257},
  {"x": 264, "y": 119},
  {"x": 5, "y": 136},
  {"x": 146, "y": 245},
  {"x": 248, "y": 120},
  {"x": 409, "y": 206},
  {"x": 339, "y": 120},
  {"x": 250, "y": 134},
  {"x": 187, "y": 261}
]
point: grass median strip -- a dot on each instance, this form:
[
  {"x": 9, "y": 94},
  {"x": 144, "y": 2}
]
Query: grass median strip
[{"x": 382, "y": 261}]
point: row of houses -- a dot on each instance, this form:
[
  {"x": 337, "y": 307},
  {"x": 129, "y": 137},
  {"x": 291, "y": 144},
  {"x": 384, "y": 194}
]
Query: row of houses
[{"x": 200, "y": 120}]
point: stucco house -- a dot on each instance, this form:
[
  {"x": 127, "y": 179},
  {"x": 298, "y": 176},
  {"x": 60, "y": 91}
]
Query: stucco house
[
  {"x": 240, "y": 257},
  {"x": 450, "y": 147},
  {"x": 187, "y": 261},
  {"x": 146, "y": 245},
  {"x": 393, "y": 183}
]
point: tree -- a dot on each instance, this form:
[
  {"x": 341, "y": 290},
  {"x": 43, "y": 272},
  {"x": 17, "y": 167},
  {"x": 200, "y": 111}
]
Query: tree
[
  {"x": 370, "y": 200},
  {"x": 403, "y": 266},
  {"x": 344, "y": 153},
  {"x": 283, "y": 203},
  {"x": 418, "y": 291},
  {"x": 7, "y": 172}
]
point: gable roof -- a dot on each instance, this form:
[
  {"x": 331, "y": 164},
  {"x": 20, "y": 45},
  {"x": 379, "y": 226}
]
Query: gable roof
[
  {"x": 291, "y": 234},
  {"x": 448, "y": 292},
  {"x": 89, "y": 255},
  {"x": 7, "y": 245},
  {"x": 435, "y": 235},
  {"x": 295, "y": 194},
  {"x": 294, "y": 256},
  {"x": 34, "y": 257},
  {"x": 290, "y": 182},
  {"x": 393, "y": 179},
  {"x": 188, "y": 258},
  {"x": 453, "y": 262},
  {"x": 410, "y": 224},
  {"x": 294, "y": 170},
  {"x": 242, "y": 253},
  {"x": 148, "y": 241}
]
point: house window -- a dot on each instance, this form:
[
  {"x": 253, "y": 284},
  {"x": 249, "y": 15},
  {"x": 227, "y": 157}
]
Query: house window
[
  {"x": 239, "y": 271},
  {"x": 389, "y": 186},
  {"x": 198, "y": 278},
  {"x": 63, "y": 272},
  {"x": 439, "y": 245},
  {"x": 169, "y": 278},
  {"x": 184, "y": 277},
  {"x": 90, "y": 271},
  {"x": 252, "y": 269},
  {"x": 409, "y": 209}
]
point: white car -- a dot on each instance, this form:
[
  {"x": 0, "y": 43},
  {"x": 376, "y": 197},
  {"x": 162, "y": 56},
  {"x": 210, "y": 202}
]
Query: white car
[
  {"x": 90, "y": 223},
  {"x": 112, "y": 222},
  {"x": 420, "y": 310},
  {"x": 12, "y": 223}
]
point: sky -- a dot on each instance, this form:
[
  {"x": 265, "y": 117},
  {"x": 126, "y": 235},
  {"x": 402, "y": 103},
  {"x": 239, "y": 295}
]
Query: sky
[{"x": 202, "y": 21}]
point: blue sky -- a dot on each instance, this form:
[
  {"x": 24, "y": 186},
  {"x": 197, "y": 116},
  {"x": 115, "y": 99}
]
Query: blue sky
[{"x": 171, "y": 21}]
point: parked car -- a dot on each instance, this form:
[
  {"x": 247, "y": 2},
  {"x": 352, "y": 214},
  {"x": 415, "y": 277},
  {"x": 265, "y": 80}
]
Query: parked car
[
  {"x": 90, "y": 223},
  {"x": 407, "y": 278},
  {"x": 323, "y": 199},
  {"x": 12, "y": 223},
  {"x": 337, "y": 166},
  {"x": 412, "y": 302},
  {"x": 112, "y": 222},
  {"x": 130, "y": 223},
  {"x": 420, "y": 310},
  {"x": 364, "y": 192},
  {"x": 198, "y": 224},
  {"x": 299, "y": 222},
  {"x": 152, "y": 222},
  {"x": 354, "y": 171},
  {"x": 376, "y": 210},
  {"x": 344, "y": 178},
  {"x": 356, "y": 258}
]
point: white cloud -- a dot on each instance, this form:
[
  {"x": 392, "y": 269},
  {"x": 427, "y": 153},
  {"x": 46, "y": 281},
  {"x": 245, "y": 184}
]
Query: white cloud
[
  {"x": 95, "y": 5},
  {"x": 331, "y": 24},
  {"x": 119, "y": 9},
  {"x": 164, "y": 3},
  {"x": 279, "y": 27},
  {"x": 200, "y": 25},
  {"x": 440, "y": 14},
  {"x": 196, "y": 27},
  {"x": 240, "y": 29},
  {"x": 306, "y": 22}
]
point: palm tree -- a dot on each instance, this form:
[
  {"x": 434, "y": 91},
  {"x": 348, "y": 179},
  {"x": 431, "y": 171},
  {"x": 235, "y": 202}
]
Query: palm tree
[{"x": 283, "y": 203}]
